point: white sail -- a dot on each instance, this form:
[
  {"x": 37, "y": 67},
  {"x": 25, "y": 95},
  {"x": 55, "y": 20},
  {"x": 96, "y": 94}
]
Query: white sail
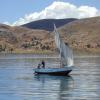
[{"x": 66, "y": 53}]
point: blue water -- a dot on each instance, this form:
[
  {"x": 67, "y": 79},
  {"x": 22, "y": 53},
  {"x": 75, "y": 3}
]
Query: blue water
[{"x": 18, "y": 81}]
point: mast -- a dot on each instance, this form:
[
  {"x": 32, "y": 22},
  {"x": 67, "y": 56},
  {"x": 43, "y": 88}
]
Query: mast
[{"x": 66, "y": 54}]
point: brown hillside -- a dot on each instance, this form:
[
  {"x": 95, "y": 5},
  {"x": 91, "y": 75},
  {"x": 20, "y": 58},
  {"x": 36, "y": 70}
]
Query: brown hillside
[
  {"x": 14, "y": 38},
  {"x": 83, "y": 34}
]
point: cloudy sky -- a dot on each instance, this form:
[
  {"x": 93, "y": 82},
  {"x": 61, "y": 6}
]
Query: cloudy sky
[{"x": 18, "y": 12}]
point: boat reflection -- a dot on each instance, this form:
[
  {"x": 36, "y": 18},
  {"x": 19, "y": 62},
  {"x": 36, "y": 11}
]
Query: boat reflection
[{"x": 60, "y": 86}]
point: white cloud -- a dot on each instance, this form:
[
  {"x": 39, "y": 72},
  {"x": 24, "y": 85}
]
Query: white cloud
[{"x": 59, "y": 10}]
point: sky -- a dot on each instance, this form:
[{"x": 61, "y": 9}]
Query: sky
[{"x": 18, "y": 12}]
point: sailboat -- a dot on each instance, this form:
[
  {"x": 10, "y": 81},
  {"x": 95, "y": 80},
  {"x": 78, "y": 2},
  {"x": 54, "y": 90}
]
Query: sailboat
[{"x": 66, "y": 58}]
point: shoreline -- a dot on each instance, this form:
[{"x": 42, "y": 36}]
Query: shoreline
[{"x": 48, "y": 52}]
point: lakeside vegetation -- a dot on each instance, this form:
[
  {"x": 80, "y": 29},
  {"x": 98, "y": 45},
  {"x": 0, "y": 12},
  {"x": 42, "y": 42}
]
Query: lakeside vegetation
[
  {"x": 48, "y": 52},
  {"x": 28, "y": 51}
]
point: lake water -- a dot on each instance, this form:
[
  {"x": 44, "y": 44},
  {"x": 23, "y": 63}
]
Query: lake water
[{"x": 18, "y": 81}]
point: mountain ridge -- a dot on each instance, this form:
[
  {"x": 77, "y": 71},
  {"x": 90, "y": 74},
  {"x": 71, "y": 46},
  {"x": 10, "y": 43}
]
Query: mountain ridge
[
  {"x": 81, "y": 34},
  {"x": 47, "y": 24}
]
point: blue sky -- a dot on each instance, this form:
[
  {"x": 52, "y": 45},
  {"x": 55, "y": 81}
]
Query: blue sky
[{"x": 12, "y": 10}]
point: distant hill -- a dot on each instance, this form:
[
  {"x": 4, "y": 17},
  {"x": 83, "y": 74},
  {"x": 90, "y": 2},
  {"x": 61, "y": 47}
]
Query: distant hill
[
  {"x": 47, "y": 24},
  {"x": 21, "y": 39},
  {"x": 82, "y": 34}
]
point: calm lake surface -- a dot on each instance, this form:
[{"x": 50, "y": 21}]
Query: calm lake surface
[{"x": 18, "y": 81}]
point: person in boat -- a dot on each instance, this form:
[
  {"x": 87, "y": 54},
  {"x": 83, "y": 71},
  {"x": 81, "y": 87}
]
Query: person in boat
[
  {"x": 43, "y": 64},
  {"x": 39, "y": 65}
]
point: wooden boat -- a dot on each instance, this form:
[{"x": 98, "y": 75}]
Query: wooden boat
[
  {"x": 66, "y": 56},
  {"x": 54, "y": 71}
]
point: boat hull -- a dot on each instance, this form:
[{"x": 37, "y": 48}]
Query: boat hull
[{"x": 53, "y": 71}]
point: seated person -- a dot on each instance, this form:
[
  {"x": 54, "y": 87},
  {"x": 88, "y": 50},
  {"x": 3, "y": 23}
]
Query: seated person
[
  {"x": 43, "y": 64},
  {"x": 39, "y": 65}
]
